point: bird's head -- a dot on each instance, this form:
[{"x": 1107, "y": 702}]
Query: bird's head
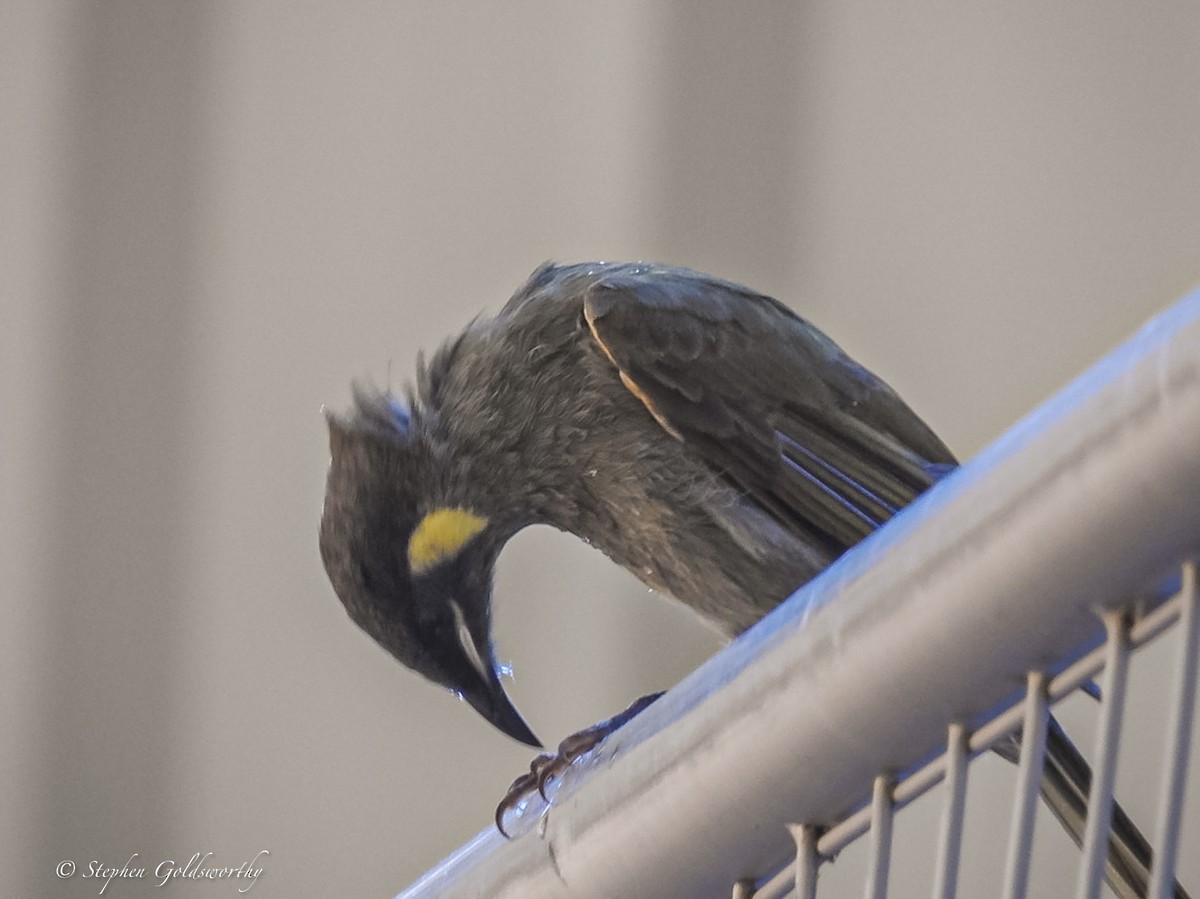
[{"x": 412, "y": 563}]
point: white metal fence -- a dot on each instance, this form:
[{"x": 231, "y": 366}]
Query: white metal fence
[{"x": 1047, "y": 559}]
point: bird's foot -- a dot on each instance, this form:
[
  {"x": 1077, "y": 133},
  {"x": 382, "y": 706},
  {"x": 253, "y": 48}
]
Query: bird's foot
[{"x": 550, "y": 765}]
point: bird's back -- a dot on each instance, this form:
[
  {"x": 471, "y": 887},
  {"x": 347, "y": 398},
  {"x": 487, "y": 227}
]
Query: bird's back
[{"x": 702, "y": 435}]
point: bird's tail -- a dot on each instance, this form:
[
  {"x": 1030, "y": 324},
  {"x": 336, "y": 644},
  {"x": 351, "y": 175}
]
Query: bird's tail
[{"x": 1066, "y": 781}]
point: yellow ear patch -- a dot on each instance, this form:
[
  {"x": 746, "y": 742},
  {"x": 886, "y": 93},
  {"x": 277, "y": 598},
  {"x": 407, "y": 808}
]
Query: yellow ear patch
[{"x": 440, "y": 536}]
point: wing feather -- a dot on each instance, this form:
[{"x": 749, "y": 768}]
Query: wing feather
[{"x": 818, "y": 442}]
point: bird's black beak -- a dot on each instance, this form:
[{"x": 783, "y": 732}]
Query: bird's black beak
[
  {"x": 488, "y": 698},
  {"x": 479, "y": 679}
]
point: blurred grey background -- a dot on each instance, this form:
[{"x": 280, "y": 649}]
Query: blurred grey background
[{"x": 216, "y": 214}]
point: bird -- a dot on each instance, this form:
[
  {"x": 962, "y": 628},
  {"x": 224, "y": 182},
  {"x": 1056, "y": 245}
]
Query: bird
[{"x": 703, "y": 435}]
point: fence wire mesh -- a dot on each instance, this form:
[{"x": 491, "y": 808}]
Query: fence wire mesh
[{"x": 1127, "y": 630}]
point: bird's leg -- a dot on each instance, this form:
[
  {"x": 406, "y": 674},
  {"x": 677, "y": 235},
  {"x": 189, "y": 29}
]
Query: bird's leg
[
  {"x": 584, "y": 741},
  {"x": 550, "y": 765}
]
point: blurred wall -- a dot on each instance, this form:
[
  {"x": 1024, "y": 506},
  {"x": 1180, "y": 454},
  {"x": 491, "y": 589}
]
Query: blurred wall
[{"x": 216, "y": 214}]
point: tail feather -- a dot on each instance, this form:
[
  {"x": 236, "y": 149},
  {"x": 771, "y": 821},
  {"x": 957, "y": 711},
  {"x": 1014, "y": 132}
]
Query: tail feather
[{"x": 1066, "y": 782}]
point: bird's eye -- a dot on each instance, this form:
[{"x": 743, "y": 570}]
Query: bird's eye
[{"x": 366, "y": 578}]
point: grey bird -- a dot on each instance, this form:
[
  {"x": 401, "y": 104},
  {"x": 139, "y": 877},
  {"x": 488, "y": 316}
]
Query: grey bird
[{"x": 702, "y": 435}]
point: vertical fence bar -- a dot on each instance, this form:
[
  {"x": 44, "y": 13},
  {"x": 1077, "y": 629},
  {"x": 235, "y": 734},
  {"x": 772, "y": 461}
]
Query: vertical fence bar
[
  {"x": 743, "y": 889},
  {"x": 950, "y": 837},
  {"x": 882, "y": 812},
  {"x": 1108, "y": 735},
  {"x": 1029, "y": 776},
  {"x": 805, "y": 836},
  {"x": 1162, "y": 871}
]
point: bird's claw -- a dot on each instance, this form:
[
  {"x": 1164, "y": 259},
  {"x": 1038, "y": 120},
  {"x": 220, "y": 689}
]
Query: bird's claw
[
  {"x": 545, "y": 768},
  {"x": 520, "y": 789},
  {"x": 550, "y": 765}
]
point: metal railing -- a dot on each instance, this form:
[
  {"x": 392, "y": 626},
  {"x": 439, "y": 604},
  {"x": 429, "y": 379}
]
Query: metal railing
[
  {"x": 1125, "y": 634},
  {"x": 1046, "y": 559}
]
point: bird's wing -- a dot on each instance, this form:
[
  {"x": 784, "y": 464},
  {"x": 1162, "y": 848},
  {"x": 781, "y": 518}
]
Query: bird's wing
[{"x": 821, "y": 444}]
